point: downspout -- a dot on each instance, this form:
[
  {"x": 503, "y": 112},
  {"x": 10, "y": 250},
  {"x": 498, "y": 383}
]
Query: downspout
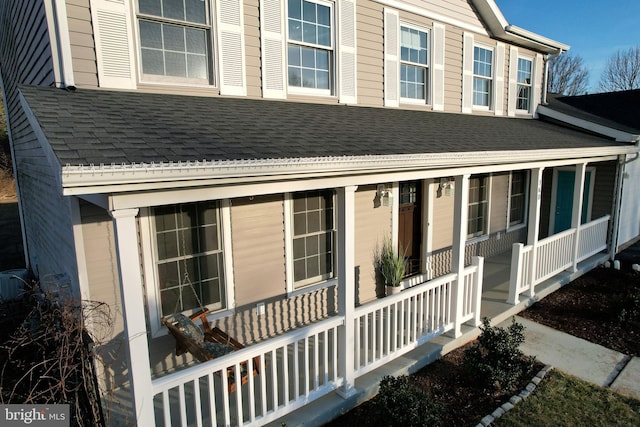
[
  {"x": 550, "y": 58},
  {"x": 60, "y": 43},
  {"x": 615, "y": 232},
  {"x": 25, "y": 246}
]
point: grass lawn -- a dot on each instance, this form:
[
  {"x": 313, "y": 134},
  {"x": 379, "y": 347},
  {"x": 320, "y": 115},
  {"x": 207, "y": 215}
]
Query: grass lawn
[{"x": 563, "y": 400}]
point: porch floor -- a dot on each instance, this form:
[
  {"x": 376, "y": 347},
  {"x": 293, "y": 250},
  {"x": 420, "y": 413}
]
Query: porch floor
[{"x": 494, "y": 306}]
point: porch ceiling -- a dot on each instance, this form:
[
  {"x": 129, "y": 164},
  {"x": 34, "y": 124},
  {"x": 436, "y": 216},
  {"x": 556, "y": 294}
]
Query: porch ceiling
[{"x": 113, "y": 130}]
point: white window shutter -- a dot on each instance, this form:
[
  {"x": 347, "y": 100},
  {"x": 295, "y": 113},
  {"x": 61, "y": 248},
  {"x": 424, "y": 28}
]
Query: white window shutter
[
  {"x": 513, "y": 81},
  {"x": 467, "y": 73},
  {"x": 231, "y": 50},
  {"x": 113, "y": 37},
  {"x": 498, "y": 81},
  {"x": 437, "y": 68},
  {"x": 347, "y": 84},
  {"x": 537, "y": 86},
  {"x": 273, "y": 44},
  {"x": 391, "y": 58}
]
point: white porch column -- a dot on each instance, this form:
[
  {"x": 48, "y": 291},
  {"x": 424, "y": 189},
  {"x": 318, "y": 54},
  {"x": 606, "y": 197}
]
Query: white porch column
[
  {"x": 346, "y": 287},
  {"x": 576, "y": 214},
  {"x": 533, "y": 226},
  {"x": 135, "y": 328},
  {"x": 460, "y": 219}
]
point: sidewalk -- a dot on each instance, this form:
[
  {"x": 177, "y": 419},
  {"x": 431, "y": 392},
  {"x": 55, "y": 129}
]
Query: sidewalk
[{"x": 583, "y": 359}]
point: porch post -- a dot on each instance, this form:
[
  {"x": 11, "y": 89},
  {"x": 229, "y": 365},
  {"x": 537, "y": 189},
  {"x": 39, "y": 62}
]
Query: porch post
[
  {"x": 615, "y": 223},
  {"x": 533, "y": 226},
  {"x": 460, "y": 218},
  {"x": 576, "y": 214},
  {"x": 135, "y": 329},
  {"x": 346, "y": 287}
]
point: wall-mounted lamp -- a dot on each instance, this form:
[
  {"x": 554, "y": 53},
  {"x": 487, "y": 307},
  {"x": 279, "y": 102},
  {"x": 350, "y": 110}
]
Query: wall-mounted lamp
[
  {"x": 383, "y": 196},
  {"x": 446, "y": 186}
]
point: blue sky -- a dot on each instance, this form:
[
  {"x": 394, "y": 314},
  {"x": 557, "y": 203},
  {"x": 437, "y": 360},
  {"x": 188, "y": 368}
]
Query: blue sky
[{"x": 595, "y": 29}]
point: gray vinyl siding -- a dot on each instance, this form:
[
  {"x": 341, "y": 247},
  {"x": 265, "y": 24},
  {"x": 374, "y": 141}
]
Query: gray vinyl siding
[
  {"x": 252, "y": 48},
  {"x": 85, "y": 71},
  {"x": 603, "y": 194},
  {"x": 370, "y": 54},
  {"x": 25, "y": 58},
  {"x": 458, "y": 10},
  {"x": 372, "y": 226},
  {"x": 453, "y": 69},
  {"x": 499, "y": 202}
]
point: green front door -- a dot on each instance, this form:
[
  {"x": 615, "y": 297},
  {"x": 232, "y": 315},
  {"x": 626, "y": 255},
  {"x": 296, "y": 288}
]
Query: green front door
[{"x": 564, "y": 200}]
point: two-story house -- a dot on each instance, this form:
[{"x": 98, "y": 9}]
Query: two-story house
[{"x": 251, "y": 156}]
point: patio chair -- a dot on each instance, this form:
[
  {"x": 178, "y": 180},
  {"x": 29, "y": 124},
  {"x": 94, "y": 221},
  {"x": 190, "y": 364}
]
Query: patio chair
[{"x": 207, "y": 343}]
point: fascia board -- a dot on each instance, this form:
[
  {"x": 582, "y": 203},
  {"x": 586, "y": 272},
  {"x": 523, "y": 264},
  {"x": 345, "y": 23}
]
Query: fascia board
[
  {"x": 101, "y": 179},
  {"x": 609, "y": 132}
]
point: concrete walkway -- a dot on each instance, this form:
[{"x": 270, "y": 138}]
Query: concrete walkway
[{"x": 583, "y": 359}]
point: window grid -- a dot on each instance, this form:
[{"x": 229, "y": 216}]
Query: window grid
[
  {"x": 310, "y": 47},
  {"x": 414, "y": 71},
  {"x": 313, "y": 237},
  {"x": 174, "y": 39},
  {"x": 478, "y": 206},
  {"x": 189, "y": 257},
  {"x": 524, "y": 84},
  {"x": 517, "y": 196},
  {"x": 482, "y": 76}
]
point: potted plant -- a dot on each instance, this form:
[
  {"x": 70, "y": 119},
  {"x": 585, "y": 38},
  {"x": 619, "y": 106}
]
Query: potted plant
[{"x": 391, "y": 266}]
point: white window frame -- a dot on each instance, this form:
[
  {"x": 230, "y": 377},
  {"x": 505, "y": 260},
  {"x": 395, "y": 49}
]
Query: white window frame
[
  {"x": 487, "y": 226},
  {"x": 331, "y": 49},
  {"x": 149, "y": 253},
  {"x": 309, "y": 285},
  {"x": 491, "y": 79},
  {"x": 427, "y": 67},
  {"x": 208, "y": 27},
  {"x": 530, "y": 85},
  {"x": 525, "y": 213}
]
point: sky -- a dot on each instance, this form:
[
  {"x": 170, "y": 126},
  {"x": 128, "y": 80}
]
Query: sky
[{"x": 595, "y": 29}]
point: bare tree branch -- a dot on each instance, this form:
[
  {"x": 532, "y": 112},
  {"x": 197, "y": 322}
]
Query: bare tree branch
[
  {"x": 622, "y": 71},
  {"x": 568, "y": 75}
]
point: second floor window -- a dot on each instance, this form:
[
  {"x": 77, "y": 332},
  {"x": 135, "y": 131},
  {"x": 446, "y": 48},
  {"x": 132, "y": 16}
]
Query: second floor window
[
  {"x": 482, "y": 76},
  {"x": 524, "y": 84},
  {"x": 310, "y": 45},
  {"x": 414, "y": 71},
  {"x": 175, "y": 40}
]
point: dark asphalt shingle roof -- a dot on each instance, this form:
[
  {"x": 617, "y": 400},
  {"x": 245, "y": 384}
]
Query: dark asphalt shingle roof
[
  {"x": 618, "y": 110},
  {"x": 104, "y": 127}
]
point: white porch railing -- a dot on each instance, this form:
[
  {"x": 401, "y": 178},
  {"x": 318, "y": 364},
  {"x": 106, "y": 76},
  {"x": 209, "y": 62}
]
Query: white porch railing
[
  {"x": 301, "y": 366},
  {"x": 395, "y": 325},
  {"x": 296, "y": 368},
  {"x": 553, "y": 255}
]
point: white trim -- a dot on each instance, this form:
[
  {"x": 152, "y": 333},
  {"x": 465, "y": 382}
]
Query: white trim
[
  {"x": 493, "y": 90},
  {"x": 231, "y": 47},
  {"x": 60, "y": 43},
  {"x": 618, "y": 135},
  {"x": 437, "y": 77},
  {"x": 81, "y": 259},
  {"x": 498, "y": 78},
  {"x": 346, "y": 55},
  {"x": 534, "y": 86},
  {"x": 525, "y": 207},
  {"x": 467, "y": 72},
  {"x": 273, "y": 46},
  {"x": 391, "y": 57},
  {"x": 512, "y": 94},
  {"x": 554, "y": 193},
  {"x": 487, "y": 226},
  {"x": 428, "y": 190},
  {"x": 395, "y": 212},
  {"x": 329, "y": 173},
  {"x": 431, "y": 15},
  {"x": 427, "y": 66}
]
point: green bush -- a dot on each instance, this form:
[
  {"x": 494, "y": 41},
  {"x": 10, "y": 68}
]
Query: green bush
[
  {"x": 495, "y": 360},
  {"x": 400, "y": 403}
]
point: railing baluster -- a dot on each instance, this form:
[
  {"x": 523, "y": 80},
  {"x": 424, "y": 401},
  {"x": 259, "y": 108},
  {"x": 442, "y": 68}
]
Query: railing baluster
[
  {"x": 166, "y": 406},
  {"x": 285, "y": 376},
  {"x": 196, "y": 401},
  {"x": 183, "y": 405},
  {"x": 212, "y": 399}
]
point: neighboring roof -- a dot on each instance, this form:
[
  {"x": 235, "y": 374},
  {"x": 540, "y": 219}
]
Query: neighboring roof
[
  {"x": 110, "y": 127},
  {"x": 618, "y": 110}
]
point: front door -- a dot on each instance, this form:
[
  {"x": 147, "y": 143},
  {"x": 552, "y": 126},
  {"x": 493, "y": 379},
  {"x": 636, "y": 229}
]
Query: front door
[
  {"x": 564, "y": 199},
  {"x": 410, "y": 224}
]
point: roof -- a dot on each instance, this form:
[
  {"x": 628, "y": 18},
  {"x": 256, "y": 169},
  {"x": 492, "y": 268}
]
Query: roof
[
  {"x": 618, "y": 110},
  {"x": 96, "y": 127}
]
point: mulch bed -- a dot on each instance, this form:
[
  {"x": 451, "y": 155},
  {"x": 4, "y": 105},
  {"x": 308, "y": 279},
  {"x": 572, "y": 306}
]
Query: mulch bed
[{"x": 589, "y": 308}]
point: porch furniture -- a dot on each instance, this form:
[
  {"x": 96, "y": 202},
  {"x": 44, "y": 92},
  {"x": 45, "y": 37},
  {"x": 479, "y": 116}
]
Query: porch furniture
[{"x": 207, "y": 343}]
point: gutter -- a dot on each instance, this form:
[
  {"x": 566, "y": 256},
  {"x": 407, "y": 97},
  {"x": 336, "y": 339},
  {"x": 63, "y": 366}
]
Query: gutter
[
  {"x": 545, "y": 82},
  {"x": 83, "y": 179}
]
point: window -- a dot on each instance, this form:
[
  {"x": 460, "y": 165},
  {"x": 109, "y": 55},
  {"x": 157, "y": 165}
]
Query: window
[
  {"x": 523, "y": 101},
  {"x": 517, "y": 197},
  {"x": 175, "y": 40},
  {"x": 482, "y": 76},
  {"x": 310, "y": 45},
  {"x": 478, "y": 205},
  {"x": 189, "y": 257},
  {"x": 313, "y": 237},
  {"x": 414, "y": 71}
]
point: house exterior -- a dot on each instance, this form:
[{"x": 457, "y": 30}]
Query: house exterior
[{"x": 251, "y": 156}]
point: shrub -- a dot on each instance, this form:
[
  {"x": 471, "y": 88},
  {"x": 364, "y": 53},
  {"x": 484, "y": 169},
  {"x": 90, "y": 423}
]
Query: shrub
[
  {"x": 400, "y": 403},
  {"x": 495, "y": 360}
]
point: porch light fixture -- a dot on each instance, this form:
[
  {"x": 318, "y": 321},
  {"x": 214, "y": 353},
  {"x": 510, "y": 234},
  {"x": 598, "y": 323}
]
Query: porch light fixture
[
  {"x": 383, "y": 196},
  {"x": 446, "y": 186}
]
